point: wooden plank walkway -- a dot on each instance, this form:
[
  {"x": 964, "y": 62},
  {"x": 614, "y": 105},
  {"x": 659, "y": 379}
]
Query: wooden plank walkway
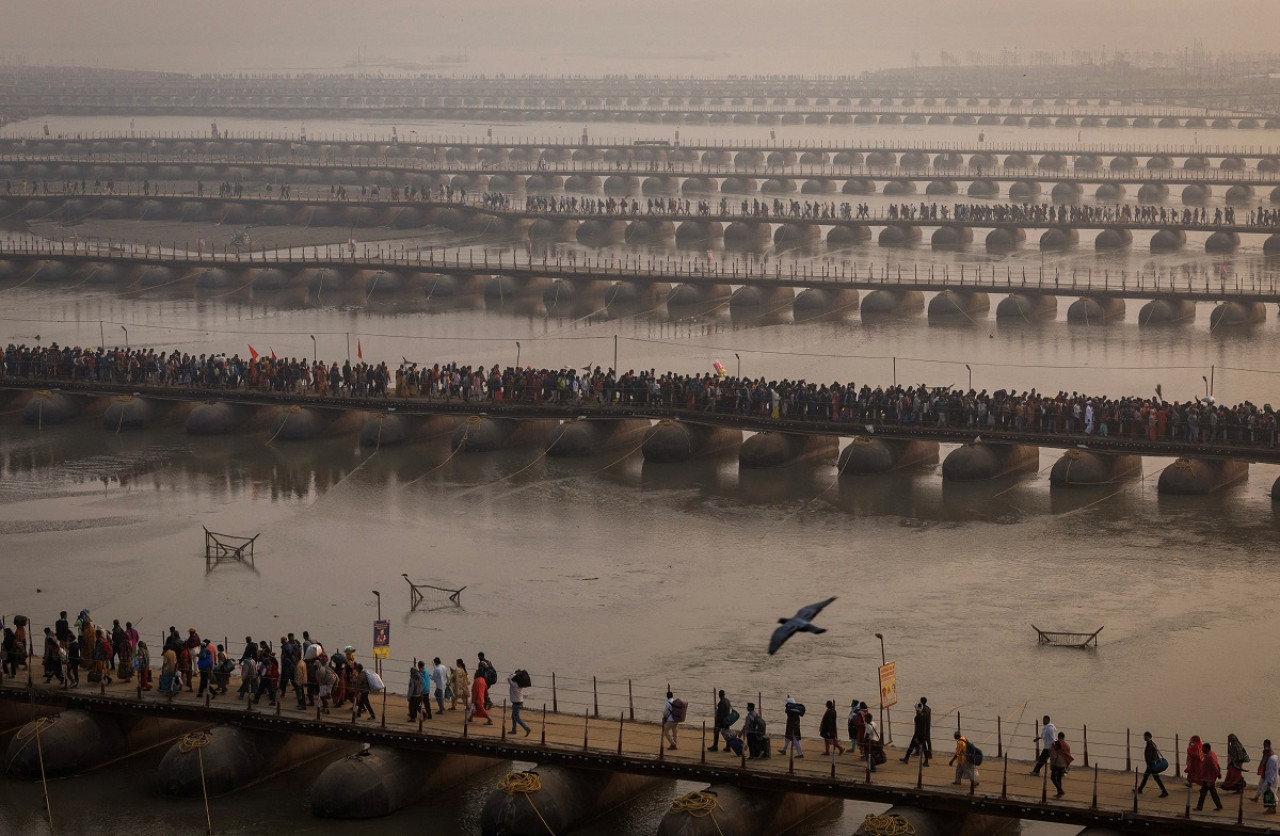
[{"x": 1006, "y": 787}]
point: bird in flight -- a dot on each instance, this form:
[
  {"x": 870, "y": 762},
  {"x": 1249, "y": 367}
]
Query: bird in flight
[{"x": 798, "y": 623}]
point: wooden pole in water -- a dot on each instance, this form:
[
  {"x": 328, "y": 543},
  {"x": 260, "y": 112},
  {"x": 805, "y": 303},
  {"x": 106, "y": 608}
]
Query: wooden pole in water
[
  {"x": 1004, "y": 779},
  {"x": 555, "y": 703},
  {"x": 1085, "y": 734},
  {"x": 1094, "y": 805},
  {"x": 621, "y": 718},
  {"x": 544, "y": 725}
]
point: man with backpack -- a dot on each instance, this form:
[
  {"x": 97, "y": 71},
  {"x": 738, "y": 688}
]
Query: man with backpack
[
  {"x": 967, "y": 759},
  {"x": 721, "y": 722},
  {"x": 791, "y": 735},
  {"x": 486, "y": 671},
  {"x": 672, "y": 717}
]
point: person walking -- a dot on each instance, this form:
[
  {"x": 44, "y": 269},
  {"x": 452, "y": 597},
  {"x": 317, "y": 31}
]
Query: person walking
[
  {"x": 486, "y": 671},
  {"x": 479, "y": 698},
  {"x": 460, "y": 685},
  {"x": 415, "y": 690},
  {"x": 1156, "y": 763},
  {"x": 1268, "y": 775},
  {"x": 827, "y": 730},
  {"x": 920, "y": 733},
  {"x": 1059, "y": 762},
  {"x": 874, "y": 746},
  {"x": 670, "y": 725},
  {"x": 1048, "y": 736},
  {"x": 720, "y": 722},
  {"x": 960, "y": 759},
  {"x": 439, "y": 681},
  {"x": 516, "y": 694},
  {"x": 791, "y": 734},
  {"x": 1237, "y": 757},
  {"x": 755, "y": 730},
  {"x": 1195, "y": 754},
  {"x": 361, "y": 685},
  {"x": 52, "y": 657},
  {"x": 1207, "y": 777}
]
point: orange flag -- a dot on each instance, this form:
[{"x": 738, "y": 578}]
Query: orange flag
[
  {"x": 253, "y": 355},
  {"x": 359, "y": 351}
]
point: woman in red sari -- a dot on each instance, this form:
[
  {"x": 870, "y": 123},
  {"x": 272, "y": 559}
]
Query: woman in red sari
[
  {"x": 1195, "y": 755},
  {"x": 479, "y": 690}
]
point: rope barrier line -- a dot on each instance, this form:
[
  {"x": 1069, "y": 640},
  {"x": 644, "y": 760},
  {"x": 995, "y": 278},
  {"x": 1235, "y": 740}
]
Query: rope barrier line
[
  {"x": 29, "y": 733},
  {"x": 525, "y": 783},
  {"x": 462, "y": 443},
  {"x": 196, "y": 741}
]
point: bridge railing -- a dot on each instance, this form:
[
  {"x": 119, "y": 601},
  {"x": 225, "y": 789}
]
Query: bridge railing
[
  {"x": 643, "y": 699},
  {"x": 712, "y": 143},
  {"x": 1179, "y": 176},
  {"x": 1248, "y": 285}
]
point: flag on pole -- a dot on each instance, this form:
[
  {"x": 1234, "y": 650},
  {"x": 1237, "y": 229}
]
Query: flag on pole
[
  {"x": 273, "y": 352},
  {"x": 253, "y": 355},
  {"x": 720, "y": 369},
  {"x": 359, "y": 351}
]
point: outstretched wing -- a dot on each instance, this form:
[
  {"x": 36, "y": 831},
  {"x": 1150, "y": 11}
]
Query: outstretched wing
[
  {"x": 811, "y": 612},
  {"x": 781, "y": 635}
]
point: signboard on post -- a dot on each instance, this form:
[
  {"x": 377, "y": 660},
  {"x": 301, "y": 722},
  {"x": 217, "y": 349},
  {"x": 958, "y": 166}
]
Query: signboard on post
[
  {"x": 888, "y": 685},
  {"x": 381, "y": 639}
]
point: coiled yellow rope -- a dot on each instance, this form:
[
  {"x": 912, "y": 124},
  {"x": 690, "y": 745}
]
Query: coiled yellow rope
[
  {"x": 37, "y": 726},
  {"x": 525, "y": 783},
  {"x": 193, "y": 740},
  {"x": 699, "y": 805},
  {"x": 886, "y": 824}
]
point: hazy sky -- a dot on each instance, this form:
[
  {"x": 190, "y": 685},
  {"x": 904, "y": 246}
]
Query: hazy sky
[{"x": 606, "y": 36}]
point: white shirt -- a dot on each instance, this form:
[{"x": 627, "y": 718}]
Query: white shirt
[{"x": 1049, "y": 736}]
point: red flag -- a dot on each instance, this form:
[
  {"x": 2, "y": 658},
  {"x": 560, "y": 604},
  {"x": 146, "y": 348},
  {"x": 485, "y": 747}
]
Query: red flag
[
  {"x": 253, "y": 355},
  {"x": 359, "y": 351},
  {"x": 273, "y": 352}
]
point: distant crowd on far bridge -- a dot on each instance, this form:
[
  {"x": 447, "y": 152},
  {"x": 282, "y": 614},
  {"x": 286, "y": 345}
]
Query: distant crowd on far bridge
[
  {"x": 788, "y": 208},
  {"x": 1195, "y": 420}
]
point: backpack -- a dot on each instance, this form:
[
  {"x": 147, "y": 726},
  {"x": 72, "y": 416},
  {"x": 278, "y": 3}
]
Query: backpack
[
  {"x": 796, "y": 708},
  {"x": 972, "y": 754},
  {"x": 490, "y": 673},
  {"x": 678, "y": 710},
  {"x": 521, "y": 678},
  {"x": 731, "y": 718}
]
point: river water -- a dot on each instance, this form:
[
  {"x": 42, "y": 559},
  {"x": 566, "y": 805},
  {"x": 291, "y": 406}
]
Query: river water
[{"x": 658, "y": 574}]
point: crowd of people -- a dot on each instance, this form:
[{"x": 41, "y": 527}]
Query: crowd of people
[
  {"x": 325, "y": 681},
  {"x": 789, "y": 208},
  {"x": 300, "y": 668},
  {"x": 1194, "y": 420}
]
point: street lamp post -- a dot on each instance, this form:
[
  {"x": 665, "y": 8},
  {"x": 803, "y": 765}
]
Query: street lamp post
[
  {"x": 315, "y": 356},
  {"x": 738, "y": 376},
  {"x": 884, "y": 712},
  {"x": 126, "y": 337},
  {"x": 517, "y": 354},
  {"x": 966, "y": 365},
  {"x": 1205, "y": 378},
  {"x": 377, "y": 663}
]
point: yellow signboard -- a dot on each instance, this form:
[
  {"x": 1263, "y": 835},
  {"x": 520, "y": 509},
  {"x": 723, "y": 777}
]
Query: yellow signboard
[
  {"x": 888, "y": 685},
  {"x": 382, "y": 639}
]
